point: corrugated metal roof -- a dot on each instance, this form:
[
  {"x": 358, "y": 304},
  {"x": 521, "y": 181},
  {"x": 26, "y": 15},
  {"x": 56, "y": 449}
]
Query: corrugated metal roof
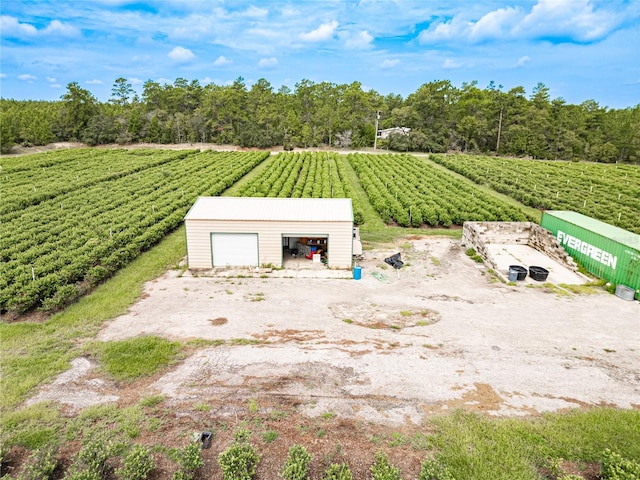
[
  {"x": 618, "y": 234},
  {"x": 272, "y": 209}
]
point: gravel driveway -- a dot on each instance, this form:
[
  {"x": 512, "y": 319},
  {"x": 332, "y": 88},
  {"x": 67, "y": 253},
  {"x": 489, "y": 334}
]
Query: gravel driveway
[{"x": 391, "y": 348}]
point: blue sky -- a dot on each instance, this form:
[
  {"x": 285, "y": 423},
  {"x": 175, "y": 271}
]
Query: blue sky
[{"x": 580, "y": 49}]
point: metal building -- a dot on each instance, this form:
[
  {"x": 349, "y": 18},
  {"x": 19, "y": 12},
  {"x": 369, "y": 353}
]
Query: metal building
[
  {"x": 258, "y": 231},
  {"x": 606, "y": 251}
]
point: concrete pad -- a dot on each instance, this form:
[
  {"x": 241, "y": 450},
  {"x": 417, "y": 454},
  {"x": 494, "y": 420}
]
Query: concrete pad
[{"x": 526, "y": 256}]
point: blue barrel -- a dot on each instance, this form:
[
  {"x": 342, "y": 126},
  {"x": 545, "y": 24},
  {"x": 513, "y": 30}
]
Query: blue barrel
[{"x": 357, "y": 273}]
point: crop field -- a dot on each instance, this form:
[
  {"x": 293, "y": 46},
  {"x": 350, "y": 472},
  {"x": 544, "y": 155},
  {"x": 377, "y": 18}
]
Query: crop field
[
  {"x": 608, "y": 192},
  {"x": 409, "y": 192},
  {"x": 72, "y": 218},
  {"x": 303, "y": 175}
]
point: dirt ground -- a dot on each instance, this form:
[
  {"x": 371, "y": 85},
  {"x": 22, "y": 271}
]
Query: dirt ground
[{"x": 391, "y": 348}]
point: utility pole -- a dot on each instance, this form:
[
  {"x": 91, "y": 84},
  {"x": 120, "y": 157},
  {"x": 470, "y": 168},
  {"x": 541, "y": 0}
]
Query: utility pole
[
  {"x": 375, "y": 138},
  {"x": 499, "y": 131}
]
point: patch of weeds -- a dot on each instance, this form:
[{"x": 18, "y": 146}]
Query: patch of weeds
[
  {"x": 382, "y": 266},
  {"x": 395, "y": 327},
  {"x": 269, "y": 436},
  {"x": 495, "y": 277},
  {"x": 430, "y": 346},
  {"x": 397, "y": 440},
  {"x": 278, "y": 415},
  {"x": 33, "y": 427},
  {"x": 421, "y": 441},
  {"x": 435, "y": 261},
  {"x": 253, "y": 406},
  {"x": 228, "y": 292},
  {"x": 128, "y": 360},
  {"x": 585, "y": 289},
  {"x": 321, "y": 432},
  {"x": 432, "y": 469},
  {"x": 328, "y": 415},
  {"x": 347, "y": 320},
  {"x": 376, "y": 440},
  {"x": 201, "y": 342},
  {"x": 471, "y": 253},
  {"x": 556, "y": 290},
  {"x": 609, "y": 350},
  {"x": 244, "y": 341},
  {"x": 154, "y": 424},
  {"x": 255, "y": 297},
  {"x": 406, "y": 313},
  {"x": 202, "y": 407},
  {"x": 151, "y": 401},
  {"x": 338, "y": 471},
  {"x": 422, "y": 323}
]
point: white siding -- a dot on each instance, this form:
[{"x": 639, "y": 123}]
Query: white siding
[{"x": 270, "y": 235}]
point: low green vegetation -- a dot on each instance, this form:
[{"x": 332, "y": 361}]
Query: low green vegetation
[{"x": 130, "y": 359}]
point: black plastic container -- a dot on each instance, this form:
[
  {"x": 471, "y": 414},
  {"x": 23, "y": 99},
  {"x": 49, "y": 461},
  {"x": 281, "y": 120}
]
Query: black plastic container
[
  {"x": 538, "y": 273},
  {"x": 521, "y": 271}
]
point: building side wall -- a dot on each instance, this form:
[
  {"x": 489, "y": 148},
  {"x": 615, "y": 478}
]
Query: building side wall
[{"x": 269, "y": 239}]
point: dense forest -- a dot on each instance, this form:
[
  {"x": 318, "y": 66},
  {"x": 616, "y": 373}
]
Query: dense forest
[{"x": 438, "y": 117}]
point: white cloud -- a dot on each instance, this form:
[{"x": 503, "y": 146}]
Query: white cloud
[
  {"x": 51, "y": 79},
  {"x": 455, "y": 28},
  {"x": 289, "y": 11},
  {"x": 181, "y": 54},
  {"x": 55, "y": 85},
  {"x": 3, "y": 75},
  {"x": 268, "y": 62},
  {"x": 522, "y": 61},
  {"x": 94, "y": 81},
  {"x": 450, "y": 64},
  {"x": 390, "y": 63},
  {"x": 164, "y": 81},
  {"x": 362, "y": 40},
  {"x": 56, "y": 27},
  {"x": 323, "y": 32},
  {"x": 256, "y": 12},
  {"x": 495, "y": 24},
  {"x": 575, "y": 21},
  {"x": 27, "y": 77},
  {"x": 135, "y": 81},
  {"x": 11, "y": 27},
  {"x": 221, "y": 61}
]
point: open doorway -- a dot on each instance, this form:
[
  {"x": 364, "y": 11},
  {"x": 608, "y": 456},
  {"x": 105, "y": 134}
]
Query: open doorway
[{"x": 305, "y": 251}]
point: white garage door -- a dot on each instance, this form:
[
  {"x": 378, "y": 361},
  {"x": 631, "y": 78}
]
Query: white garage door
[{"x": 234, "y": 249}]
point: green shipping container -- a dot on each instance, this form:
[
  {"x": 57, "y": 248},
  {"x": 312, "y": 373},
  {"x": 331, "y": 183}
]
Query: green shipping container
[{"x": 606, "y": 251}]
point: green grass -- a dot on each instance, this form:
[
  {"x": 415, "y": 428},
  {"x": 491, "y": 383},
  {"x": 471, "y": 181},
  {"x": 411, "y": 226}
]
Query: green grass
[
  {"x": 478, "y": 447},
  {"x": 130, "y": 359}
]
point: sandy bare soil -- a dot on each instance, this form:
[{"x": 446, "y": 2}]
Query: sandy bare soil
[{"x": 392, "y": 348}]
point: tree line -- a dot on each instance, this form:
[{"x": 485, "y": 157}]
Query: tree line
[{"x": 437, "y": 117}]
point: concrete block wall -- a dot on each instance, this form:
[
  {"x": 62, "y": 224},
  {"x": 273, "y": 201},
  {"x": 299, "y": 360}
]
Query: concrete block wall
[{"x": 478, "y": 234}]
